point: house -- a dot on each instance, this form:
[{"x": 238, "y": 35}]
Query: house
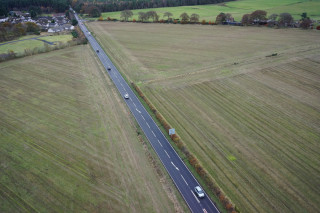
[{"x": 65, "y": 27}]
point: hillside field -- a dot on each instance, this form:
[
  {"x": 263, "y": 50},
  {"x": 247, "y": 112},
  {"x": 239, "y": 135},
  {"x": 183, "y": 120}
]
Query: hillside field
[
  {"x": 252, "y": 119},
  {"x": 68, "y": 143},
  {"x": 236, "y": 8}
]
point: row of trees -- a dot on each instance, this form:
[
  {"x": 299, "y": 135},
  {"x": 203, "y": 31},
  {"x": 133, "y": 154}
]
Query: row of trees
[
  {"x": 258, "y": 17},
  {"x": 282, "y": 20},
  {"x": 10, "y": 31},
  {"x": 38, "y": 5},
  {"x": 112, "y": 5}
]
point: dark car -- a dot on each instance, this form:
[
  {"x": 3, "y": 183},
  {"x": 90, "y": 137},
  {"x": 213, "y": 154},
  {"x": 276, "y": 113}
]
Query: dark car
[{"x": 97, "y": 51}]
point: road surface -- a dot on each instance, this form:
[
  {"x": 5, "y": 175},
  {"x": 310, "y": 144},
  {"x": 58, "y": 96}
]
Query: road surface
[{"x": 180, "y": 174}]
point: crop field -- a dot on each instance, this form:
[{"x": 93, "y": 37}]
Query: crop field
[
  {"x": 237, "y": 9},
  {"x": 68, "y": 143},
  {"x": 19, "y": 46},
  {"x": 252, "y": 119}
]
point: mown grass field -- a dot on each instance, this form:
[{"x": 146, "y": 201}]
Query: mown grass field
[
  {"x": 237, "y": 9},
  {"x": 253, "y": 121},
  {"x": 68, "y": 143},
  {"x": 19, "y": 46}
]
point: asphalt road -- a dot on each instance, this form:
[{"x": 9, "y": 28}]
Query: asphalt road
[{"x": 178, "y": 171}]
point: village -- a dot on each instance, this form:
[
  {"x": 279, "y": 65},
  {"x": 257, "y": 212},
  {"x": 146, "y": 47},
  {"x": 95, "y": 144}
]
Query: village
[{"x": 53, "y": 23}]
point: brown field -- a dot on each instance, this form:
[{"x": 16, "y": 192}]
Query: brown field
[
  {"x": 253, "y": 121},
  {"x": 68, "y": 143}
]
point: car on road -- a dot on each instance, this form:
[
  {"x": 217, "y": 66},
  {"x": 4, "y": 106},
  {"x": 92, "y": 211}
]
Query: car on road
[
  {"x": 126, "y": 96},
  {"x": 97, "y": 51},
  {"x": 199, "y": 191},
  {"x": 109, "y": 68}
]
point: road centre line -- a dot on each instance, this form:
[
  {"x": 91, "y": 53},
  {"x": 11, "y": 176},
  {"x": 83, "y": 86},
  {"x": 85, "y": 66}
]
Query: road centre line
[
  {"x": 184, "y": 180},
  {"x": 195, "y": 196},
  {"x": 148, "y": 125},
  {"x": 153, "y": 133},
  {"x": 167, "y": 153},
  {"x": 159, "y": 143},
  {"x": 143, "y": 117}
]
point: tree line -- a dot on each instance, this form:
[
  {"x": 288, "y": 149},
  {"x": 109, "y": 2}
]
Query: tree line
[
  {"x": 39, "y": 5},
  {"x": 114, "y": 5},
  {"x": 10, "y": 31}
]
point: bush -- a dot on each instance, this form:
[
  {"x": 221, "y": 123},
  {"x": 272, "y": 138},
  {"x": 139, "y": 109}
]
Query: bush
[
  {"x": 203, "y": 22},
  {"x": 318, "y": 27},
  {"x": 133, "y": 20}
]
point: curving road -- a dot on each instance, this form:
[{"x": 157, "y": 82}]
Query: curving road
[{"x": 180, "y": 174}]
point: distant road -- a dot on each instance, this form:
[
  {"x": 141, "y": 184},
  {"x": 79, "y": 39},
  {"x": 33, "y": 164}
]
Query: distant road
[{"x": 178, "y": 171}]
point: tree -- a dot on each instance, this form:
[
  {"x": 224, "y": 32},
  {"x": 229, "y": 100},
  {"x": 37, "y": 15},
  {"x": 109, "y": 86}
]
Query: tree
[
  {"x": 153, "y": 15},
  {"x": 246, "y": 19},
  {"x": 32, "y": 27},
  {"x": 74, "y": 22},
  {"x": 221, "y": 18},
  {"x": 93, "y": 11},
  {"x": 33, "y": 14},
  {"x": 285, "y": 19},
  {"x": 194, "y": 18},
  {"x": 126, "y": 14},
  {"x": 273, "y": 17},
  {"x": 184, "y": 18},
  {"x": 258, "y": 16},
  {"x": 19, "y": 30},
  {"x": 167, "y": 14},
  {"x": 142, "y": 16},
  {"x": 303, "y": 15},
  {"x": 305, "y": 23}
]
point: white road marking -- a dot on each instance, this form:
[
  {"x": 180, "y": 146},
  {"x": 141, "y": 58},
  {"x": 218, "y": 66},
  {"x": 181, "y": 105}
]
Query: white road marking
[
  {"x": 195, "y": 196},
  {"x": 138, "y": 110},
  {"x": 143, "y": 117},
  {"x": 167, "y": 153},
  {"x": 204, "y": 211},
  {"x": 184, "y": 180},
  {"x": 148, "y": 125},
  {"x": 153, "y": 133},
  {"x": 159, "y": 143},
  {"x": 174, "y": 166},
  {"x": 134, "y": 104}
]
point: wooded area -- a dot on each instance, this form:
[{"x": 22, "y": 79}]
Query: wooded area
[
  {"x": 112, "y": 5},
  {"x": 41, "y": 5}
]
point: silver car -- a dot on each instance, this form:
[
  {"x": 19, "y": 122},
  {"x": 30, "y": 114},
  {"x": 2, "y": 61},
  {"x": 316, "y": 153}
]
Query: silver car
[
  {"x": 126, "y": 96},
  {"x": 199, "y": 191}
]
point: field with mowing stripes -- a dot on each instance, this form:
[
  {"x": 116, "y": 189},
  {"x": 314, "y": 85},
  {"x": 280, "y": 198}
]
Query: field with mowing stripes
[
  {"x": 69, "y": 144},
  {"x": 252, "y": 119}
]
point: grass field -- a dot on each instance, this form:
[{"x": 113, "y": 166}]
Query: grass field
[
  {"x": 252, "y": 120},
  {"x": 20, "y": 46},
  {"x": 68, "y": 143},
  {"x": 237, "y": 9}
]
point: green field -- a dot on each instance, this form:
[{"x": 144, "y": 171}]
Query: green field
[
  {"x": 68, "y": 143},
  {"x": 251, "y": 119},
  {"x": 237, "y": 9},
  {"x": 20, "y": 46}
]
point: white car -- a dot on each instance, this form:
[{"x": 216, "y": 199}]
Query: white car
[
  {"x": 199, "y": 191},
  {"x": 126, "y": 96}
]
